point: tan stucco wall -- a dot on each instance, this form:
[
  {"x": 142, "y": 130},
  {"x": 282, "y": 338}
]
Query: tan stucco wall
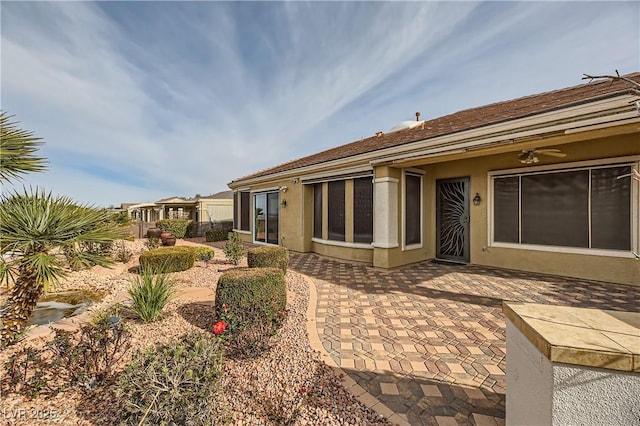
[
  {"x": 349, "y": 253},
  {"x": 603, "y": 268},
  {"x": 296, "y": 219},
  {"x": 222, "y": 209}
]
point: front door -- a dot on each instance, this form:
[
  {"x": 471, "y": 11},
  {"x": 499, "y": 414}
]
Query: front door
[{"x": 452, "y": 219}]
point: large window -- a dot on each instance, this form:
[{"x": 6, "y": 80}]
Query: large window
[
  {"x": 585, "y": 208},
  {"x": 317, "y": 210},
  {"x": 241, "y": 210},
  {"x": 363, "y": 210},
  {"x": 336, "y": 210},
  {"x": 413, "y": 209}
]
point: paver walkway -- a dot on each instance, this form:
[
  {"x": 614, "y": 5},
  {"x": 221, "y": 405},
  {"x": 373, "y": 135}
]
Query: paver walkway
[{"x": 428, "y": 340}]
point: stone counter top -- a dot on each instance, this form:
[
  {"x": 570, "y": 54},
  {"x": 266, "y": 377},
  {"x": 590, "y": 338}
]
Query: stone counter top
[{"x": 580, "y": 336}]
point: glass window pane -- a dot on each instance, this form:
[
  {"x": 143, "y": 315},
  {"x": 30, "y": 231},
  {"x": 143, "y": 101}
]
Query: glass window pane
[
  {"x": 555, "y": 209},
  {"x": 273, "y": 209},
  {"x": 236, "y": 200},
  {"x": 363, "y": 210},
  {"x": 317, "y": 210},
  {"x": 505, "y": 209},
  {"x": 244, "y": 211},
  {"x": 413, "y": 228},
  {"x": 611, "y": 208},
  {"x": 260, "y": 222},
  {"x": 336, "y": 210}
]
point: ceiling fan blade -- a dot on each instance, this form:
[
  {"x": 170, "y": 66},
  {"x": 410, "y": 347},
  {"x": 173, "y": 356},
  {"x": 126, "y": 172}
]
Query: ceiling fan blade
[
  {"x": 553, "y": 154},
  {"x": 548, "y": 150}
]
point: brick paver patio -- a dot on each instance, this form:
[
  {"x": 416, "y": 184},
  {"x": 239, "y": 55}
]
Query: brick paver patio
[{"x": 428, "y": 340}]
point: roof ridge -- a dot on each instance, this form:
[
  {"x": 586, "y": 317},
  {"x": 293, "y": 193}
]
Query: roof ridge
[{"x": 549, "y": 92}]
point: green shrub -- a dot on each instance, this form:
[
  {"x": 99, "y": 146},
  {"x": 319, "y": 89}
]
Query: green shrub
[
  {"x": 180, "y": 228},
  {"x": 203, "y": 253},
  {"x": 150, "y": 293},
  {"x": 252, "y": 302},
  {"x": 176, "y": 383},
  {"x": 268, "y": 257},
  {"x": 168, "y": 259},
  {"x": 217, "y": 234},
  {"x": 233, "y": 248}
]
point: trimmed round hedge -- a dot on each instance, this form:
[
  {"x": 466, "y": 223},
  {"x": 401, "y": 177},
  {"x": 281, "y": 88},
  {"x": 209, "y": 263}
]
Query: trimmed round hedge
[
  {"x": 180, "y": 228},
  {"x": 217, "y": 234},
  {"x": 251, "y": 292},
  {"x": 203, "y": 252},
  {"x": 168, "y": 259},
  {"x": 268, "y": 257}
]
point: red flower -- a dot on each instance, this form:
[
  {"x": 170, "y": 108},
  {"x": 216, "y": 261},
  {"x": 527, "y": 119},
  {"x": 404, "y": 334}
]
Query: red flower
[{"x": 219, "y": 328}]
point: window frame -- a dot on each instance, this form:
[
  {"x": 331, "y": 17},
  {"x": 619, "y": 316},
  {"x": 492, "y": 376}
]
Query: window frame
[
  {"x": 344, "y": 207},
  {"x": 420, "y": 174},
  {"x": 314, "y": 220},
  {"x": 631, "y": 161},
  {"x": 252, "y": 231},
  {"x": 353, "y": 208},
  {"x": 239, "y": 227},
  {"x": 343, "y": 177}
]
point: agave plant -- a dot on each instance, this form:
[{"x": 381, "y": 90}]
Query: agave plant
[{"x": 38, "y": 233}]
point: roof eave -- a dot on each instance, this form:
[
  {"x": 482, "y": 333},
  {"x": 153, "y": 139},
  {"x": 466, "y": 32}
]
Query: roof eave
[{"x": 556, "y": 120}]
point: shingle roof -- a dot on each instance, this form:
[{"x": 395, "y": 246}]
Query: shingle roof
[
  {"x": 222, "y": 195},
  {"x": 465, "y": 120}
]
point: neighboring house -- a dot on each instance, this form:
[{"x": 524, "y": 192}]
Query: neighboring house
[
  {"x": 212, "y": 208},
  {"x": 541, "y": 183}
]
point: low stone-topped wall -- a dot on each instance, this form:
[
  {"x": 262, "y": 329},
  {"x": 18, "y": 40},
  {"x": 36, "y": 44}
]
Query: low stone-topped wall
[{"x": 572, "y": 365}]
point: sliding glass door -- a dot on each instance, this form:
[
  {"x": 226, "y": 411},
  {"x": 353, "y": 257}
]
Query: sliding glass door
[{"x": 266, "y": 217}]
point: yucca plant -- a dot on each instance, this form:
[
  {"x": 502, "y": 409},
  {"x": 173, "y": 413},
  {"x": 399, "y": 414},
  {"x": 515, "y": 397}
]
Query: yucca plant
[
  {"x": 40, "y": 234},
  {"x": 17, "y": 150},
  {"x": 150, "y": 293}
]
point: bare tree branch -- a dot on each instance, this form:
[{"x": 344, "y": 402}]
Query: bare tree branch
[{"x": 635, "y": 85}]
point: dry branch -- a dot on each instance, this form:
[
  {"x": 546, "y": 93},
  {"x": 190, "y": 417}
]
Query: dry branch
[{"x": 635, "y": 85}]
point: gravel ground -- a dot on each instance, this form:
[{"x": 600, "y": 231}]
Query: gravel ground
[{"x": 287, "y": 385}]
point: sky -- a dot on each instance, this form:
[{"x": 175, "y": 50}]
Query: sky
[{"x": 139, "y": 101}]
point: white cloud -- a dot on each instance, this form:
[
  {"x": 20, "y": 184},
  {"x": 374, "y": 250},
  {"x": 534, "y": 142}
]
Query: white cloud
[{"x": 141, "y": 99}]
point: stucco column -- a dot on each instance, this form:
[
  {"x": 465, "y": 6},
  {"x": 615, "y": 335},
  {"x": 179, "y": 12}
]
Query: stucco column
[{"x": 385, "y": 225}]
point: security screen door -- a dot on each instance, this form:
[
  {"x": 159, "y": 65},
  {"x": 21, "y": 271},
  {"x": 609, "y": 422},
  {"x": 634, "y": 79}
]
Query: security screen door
[{"x": 452, "y": 219}]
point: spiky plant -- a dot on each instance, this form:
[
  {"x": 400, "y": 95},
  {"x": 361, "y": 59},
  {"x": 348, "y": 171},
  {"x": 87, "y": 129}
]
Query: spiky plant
[
  {"x": 150, "y": 293},
  {"x": 38, "y": 231},
  {"x": 17, "y": 150}
]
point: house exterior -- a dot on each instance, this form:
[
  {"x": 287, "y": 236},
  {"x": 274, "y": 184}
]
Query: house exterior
[
  {"x": 541, "y": 183},
  {"x": 202, "y": 210}
]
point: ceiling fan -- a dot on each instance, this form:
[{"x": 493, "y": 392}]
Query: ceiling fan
[{"x": 530, "y": 156}]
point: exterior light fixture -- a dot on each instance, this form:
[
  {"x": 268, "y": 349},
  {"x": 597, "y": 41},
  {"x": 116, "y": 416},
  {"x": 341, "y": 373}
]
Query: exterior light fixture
[
  {"x": 283, "y": 188},
  {"x": 283, "y": 203},
  {"x": 477, "y": 200}
]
